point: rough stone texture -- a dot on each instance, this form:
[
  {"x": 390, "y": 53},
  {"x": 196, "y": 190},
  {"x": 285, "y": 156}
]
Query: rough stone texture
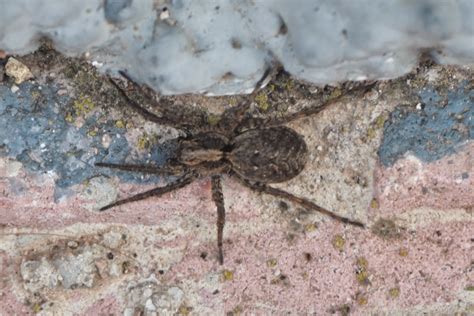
[
  {"x": 59, "y": 255},
  {"x": 224, "y": 47}
]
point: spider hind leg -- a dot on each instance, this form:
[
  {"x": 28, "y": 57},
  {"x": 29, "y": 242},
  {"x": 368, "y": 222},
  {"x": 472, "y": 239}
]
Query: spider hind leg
[
  {"x": 178, "y": 184},
  {"x": 260, "y": 187},
  {"x": 218, "y": 198}
]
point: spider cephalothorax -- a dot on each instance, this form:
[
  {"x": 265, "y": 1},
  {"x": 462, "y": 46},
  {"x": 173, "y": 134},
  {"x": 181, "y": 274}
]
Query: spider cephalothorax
[{"x": 257, "y": 152}]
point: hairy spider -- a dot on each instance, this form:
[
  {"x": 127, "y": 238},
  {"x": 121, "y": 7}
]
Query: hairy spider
[{"x": 255, "y": 151}]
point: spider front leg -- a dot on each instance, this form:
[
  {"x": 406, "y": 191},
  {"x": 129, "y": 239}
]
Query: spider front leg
[
  {"x": 178, "y": 184},
  {"x": 163, "y": 170},
  {"x": 232, "y": 117},
  {"x": 147, "y": 115},
  {"x": 254, "y": 122},
  {"x": 218, "y": 198},
  {"x": 180, "y": 117},
  {"x": 301, "y": 201}
]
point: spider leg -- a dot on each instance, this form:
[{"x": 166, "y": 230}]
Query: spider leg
[
  {"x": 184, "y": 118},
  {"x": 138, "y": 108},
  {"x": 233, "y": 116},
  {"x": 171, "y": 170},
  {"x": 302, "y": 201},
  {"x": 218, "y": 198},
  {"x": 179, "y": 183},
  {"x": 253, "y": 122}
]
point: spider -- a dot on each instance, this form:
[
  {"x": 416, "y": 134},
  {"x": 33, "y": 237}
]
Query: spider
[{"x": 256, "y": 151}]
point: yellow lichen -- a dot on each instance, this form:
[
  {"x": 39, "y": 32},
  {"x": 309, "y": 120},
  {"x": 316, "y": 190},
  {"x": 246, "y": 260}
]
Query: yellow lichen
[
  {"x": 271, "y": 263},
  {"x": 362, "y": 263},
  {"x": 83, "y": 105},
  {"x": 394, "y": 292},
  {"x": 227, "y": 275},
  {"x": 374, "y": 203},
  {"x": 403, "y": 252},
  {"x": 362, "y": 300},
  {"x": 371, "y": 133},
  {"x": 289, "y": 84},
  {"x": 143, "y": 142},
  {"x": 120, "y": 124},
  {"x": 380, "y": 121},
  {"x": 338, "y": 242},
  {"x": 236, "y": 311},
  {"x": 213, "y": 119},
  {"x": 362, "y": 275},
  {"x": 69, "y": 118},
  {"x": 336, "y": 93},
  {"x": 92, "y": 133},
  {"x": 36, "y": 308},
  {"x": 262, "y": 101},
  {"x": 35, "y": 95},
  {"x": 311, "y": 227},
  {"x": 232, "y": 101},
  {"x": 184, "y": 310}
]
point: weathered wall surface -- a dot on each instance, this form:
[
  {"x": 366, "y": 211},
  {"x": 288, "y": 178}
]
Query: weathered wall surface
[
  {"x": 224, "y": 47},
  {"x": 399, "y": 158}
]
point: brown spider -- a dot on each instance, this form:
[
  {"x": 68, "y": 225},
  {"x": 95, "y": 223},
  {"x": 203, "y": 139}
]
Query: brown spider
[{"x": 256, "y": 151}]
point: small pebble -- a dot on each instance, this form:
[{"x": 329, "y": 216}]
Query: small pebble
[
  {"x": 61, "y": 92},
  {"x": 97, "y": 64},
  {"x": 14, "y": 88},
  {"x": 17, "y": 70},
  {"x": 165, "y": 14}
]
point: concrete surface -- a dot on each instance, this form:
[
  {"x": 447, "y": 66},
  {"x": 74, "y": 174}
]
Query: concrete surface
[{"x": 400, "y": 159}]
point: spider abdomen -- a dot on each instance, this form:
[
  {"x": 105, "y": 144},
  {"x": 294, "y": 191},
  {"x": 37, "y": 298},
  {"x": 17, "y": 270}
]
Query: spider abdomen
[{"x": 268, "y": 155}]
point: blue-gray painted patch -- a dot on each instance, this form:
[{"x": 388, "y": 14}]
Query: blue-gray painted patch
[
  {"x": 34, "y": 131},
  {"x": 436, "y": 130}
]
